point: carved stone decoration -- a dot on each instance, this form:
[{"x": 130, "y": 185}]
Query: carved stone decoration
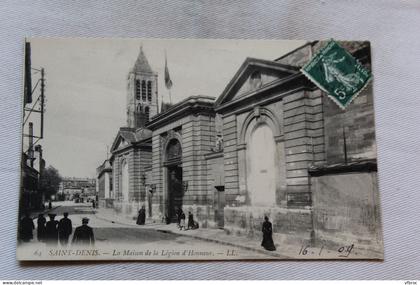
[
  {"x": 173, "y": 150},
  {"x": 218, "y": 143}
]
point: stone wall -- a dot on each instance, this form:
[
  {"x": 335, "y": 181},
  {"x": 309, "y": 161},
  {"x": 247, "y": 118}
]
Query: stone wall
[
  {"x": 346, "y": 209},
  {"x": 294, "y": 223},
  {"x": 356, "y": 124},
  {"x": 157, "y": 174},
  {"x": 215, "y": 178},
  {"x": 101, "y": 186},
  {"x": 230, "y": 159},
  {"x": 303, "y": 136}
]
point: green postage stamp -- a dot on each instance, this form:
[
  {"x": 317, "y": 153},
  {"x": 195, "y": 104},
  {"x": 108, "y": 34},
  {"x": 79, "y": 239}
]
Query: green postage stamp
[{"x": 337, "y": 72}]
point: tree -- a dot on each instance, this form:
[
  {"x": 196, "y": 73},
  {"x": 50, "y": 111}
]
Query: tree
[{"x": 50, "y": 181}]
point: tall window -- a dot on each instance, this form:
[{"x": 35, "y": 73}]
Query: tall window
[
  {"x": 143, "y": 90},
  {"x": 138, "y": 89},
  {"x": 149, "y": 90},
  {"x": 146, "y": 112}
]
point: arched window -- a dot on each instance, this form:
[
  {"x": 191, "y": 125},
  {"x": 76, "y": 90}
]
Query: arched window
[
  {"x": 173, "y": 150},
  {"x": 139, "y": 108},
  {"x": 146, "y": 112},
  {"x": 149, "y": 90},
  {"x": 138, "y": 89},
  {"x": 143, "y": 90}
]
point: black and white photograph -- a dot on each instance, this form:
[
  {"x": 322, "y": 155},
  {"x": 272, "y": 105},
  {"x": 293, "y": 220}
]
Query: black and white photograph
[{"x": 184, "y": 149}]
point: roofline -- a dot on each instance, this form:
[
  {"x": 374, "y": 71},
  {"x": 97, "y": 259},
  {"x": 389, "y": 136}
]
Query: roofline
[
  {"x": 289, "y": 80},
  {"x": 181, "y": 109},
  {"x": 296, "y": 49},
  {"x": 256, "y": 62}
]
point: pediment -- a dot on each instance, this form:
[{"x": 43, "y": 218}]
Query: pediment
[
  {"x": 122, "y": 140},
  {"x": 254, "y": 74},
  {"x": 119, "y": 143}
]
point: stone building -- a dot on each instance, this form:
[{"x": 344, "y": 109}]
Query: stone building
[
  {"x": 104, "y": 188},
  {"x": 271, "y": 144}
]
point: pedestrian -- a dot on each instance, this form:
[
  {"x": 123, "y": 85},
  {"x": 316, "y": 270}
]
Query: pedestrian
[
  {"x": 182, "y": 220},
  {"x": 41, "y": 227},
  {"x": 178, "y": 216},
  {"x": 83, "y": 235},
  {"x": 51, "y": 231},
  {"x": 26, "y": 228},
  {"x": 190, "y": 221},
  {"x": 167, "y": 219},
  {"x": 141, "y": 218},
  {"x": 50, "y": 205},
  {"x": 93, "y": 204},
  {"x": 64, "y": 229},
  {"x": 267, "y": 230}
]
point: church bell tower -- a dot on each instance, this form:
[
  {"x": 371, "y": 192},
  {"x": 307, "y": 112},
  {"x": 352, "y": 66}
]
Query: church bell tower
[{"x": 142, "y": 97}]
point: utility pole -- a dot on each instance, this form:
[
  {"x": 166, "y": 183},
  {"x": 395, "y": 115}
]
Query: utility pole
[{"x": 42, "y": 101}]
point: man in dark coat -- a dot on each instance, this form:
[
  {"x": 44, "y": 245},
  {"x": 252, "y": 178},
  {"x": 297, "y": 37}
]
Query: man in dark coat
[
  {"x": 267, "y": 230},
  {"x": 51, "y": 231},
  {"x": 190, "y": 221},
  {"x": 41, "y": 227},
  {"x": 141, "y": 218},
  {"x": 64, "y": 229},
  {"x": 182, "y": 221},
  {"x": 83, "y": 235},
  {"x": 26, "y": 228}
]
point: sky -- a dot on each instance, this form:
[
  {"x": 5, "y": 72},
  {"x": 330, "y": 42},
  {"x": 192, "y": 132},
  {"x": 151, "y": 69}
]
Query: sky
[{"x": 86, "y": 82}]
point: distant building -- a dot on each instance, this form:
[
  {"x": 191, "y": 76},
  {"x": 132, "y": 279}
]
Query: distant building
[
  {"x": 74, "y": 187},
  {"x": 271, "y": 144},
  {"x": 32, "y": 196}
]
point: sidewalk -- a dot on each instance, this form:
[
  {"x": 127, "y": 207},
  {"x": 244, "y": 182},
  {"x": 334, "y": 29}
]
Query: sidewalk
[
  {"x": 34, "y": 214},
  {"x": 210, "y": 235}
]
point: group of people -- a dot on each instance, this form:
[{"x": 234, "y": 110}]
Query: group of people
[
  {"x": 180, "y": 215},
  {"x": 53, "y": 232}
]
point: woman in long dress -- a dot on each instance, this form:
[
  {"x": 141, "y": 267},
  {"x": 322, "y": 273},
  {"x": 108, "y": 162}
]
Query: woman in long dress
[
  {"x": 267, "y": 230},
  {"x": 141, "y": 218}
]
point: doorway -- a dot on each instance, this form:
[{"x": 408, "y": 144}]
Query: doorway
[
  {"x": 175, "y": 191},
  {"x": 261, "y": 153}
]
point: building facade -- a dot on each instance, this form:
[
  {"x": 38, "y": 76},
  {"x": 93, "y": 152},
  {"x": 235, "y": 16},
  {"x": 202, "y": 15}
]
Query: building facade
[
  {"x": 272, "y": 144},
  {"x": 75, "y": 188}
]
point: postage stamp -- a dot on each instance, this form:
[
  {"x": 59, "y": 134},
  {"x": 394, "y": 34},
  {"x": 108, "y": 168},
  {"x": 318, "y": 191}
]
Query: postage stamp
[
  {"x": 124, "y": 161},
  {"x": 337, "y": 72}
]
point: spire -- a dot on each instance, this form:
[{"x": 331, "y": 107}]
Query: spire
[{"x": 142, "y": 65}]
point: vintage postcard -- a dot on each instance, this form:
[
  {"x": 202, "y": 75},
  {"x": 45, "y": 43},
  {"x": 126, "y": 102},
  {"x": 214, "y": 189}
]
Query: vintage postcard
[{"x": 154, "y": 149}]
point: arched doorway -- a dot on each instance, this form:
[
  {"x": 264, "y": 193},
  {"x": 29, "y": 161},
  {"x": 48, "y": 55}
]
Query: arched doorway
[
  {"x": 261, "y": 154},
  {"x": 175, "y": 191},
  {"x": 124, "y": 180}
]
